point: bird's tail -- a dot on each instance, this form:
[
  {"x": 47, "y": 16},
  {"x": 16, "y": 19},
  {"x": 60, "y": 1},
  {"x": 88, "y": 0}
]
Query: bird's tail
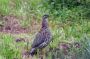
[{"x": 33, "y": 51}]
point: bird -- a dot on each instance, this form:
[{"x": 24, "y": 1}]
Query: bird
[{"x": 43, "y": 37}]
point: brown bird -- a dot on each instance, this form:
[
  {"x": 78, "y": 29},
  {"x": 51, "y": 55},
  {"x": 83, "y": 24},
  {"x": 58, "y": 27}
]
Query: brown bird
[{"x": 43, "y": 37}]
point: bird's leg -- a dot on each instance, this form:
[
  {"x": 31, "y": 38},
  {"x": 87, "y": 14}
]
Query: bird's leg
[
  {"x": 38, "y": 52},
  {"x": 42, "y": 54},
  {"x": 27, "y": 47},
  {"x": 43, "y": 51}
]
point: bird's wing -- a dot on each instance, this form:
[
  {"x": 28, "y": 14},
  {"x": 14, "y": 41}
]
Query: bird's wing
[
  {"x": 38, "y": 40},
  {"x": 42, "y": 39},
  {"x": 47, "y": 39}
]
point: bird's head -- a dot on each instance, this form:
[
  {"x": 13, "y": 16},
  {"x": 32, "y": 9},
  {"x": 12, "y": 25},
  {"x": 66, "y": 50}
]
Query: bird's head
[
  {"x": 45, "y": 16},
  {"x": 45, "y": 21}
]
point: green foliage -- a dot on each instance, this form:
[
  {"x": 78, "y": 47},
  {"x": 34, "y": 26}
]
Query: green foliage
[
  {"x": 4, "y": 6},
  {"x": 58, "y": 36},
  {"x": 66, "y": 9},
  {"x": 71, "y": 20},
  {"x": 8, "y": 50}
]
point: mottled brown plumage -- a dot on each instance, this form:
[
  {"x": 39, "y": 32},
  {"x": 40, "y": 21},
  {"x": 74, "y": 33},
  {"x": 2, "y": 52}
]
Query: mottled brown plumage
[{"x": 43, "y": 37}]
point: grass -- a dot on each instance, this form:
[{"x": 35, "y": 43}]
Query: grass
[
  {"x": 68, "y": 25},
  {"x": 7, "y": 47}
]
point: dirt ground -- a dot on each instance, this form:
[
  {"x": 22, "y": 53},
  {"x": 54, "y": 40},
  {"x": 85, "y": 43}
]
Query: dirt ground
[{"x": 11, "y": 24}]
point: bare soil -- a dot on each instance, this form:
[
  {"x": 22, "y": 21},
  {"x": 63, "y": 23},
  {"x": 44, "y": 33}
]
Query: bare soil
[{"x": 11, "y": 24}]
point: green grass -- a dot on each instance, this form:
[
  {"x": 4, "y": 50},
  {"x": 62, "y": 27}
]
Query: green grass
[{"x": 7, "y": 47}]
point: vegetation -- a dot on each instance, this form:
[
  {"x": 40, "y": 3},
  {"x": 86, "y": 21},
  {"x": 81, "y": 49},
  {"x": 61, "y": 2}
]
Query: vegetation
[{"x": 69, "y": 23}]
